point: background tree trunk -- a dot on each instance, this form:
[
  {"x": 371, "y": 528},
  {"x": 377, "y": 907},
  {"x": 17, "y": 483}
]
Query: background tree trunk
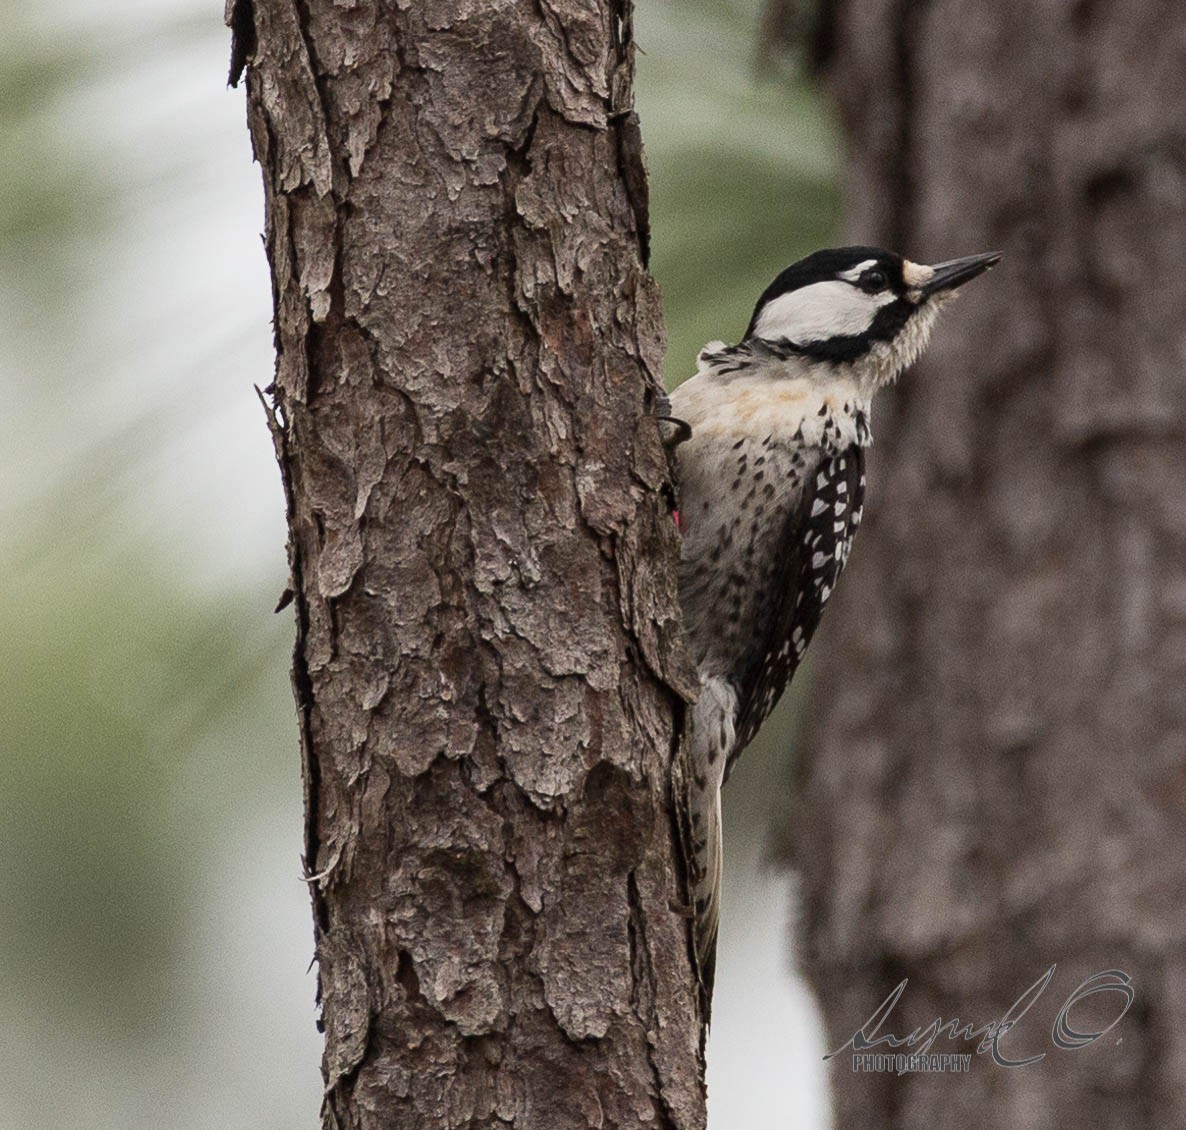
[
  {"x": 993, "y": 774},
  {"x": 488, "y": 654}
]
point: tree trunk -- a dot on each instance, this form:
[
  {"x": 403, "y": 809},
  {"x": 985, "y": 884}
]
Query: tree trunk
[
  {"x": 993, "y": 775},
  {"x": 489, "y": 660}
]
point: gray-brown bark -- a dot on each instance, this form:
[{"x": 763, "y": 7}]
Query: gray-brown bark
[
  {"x": 992, "y": 777},
  {"x": 488, "y": 658}
]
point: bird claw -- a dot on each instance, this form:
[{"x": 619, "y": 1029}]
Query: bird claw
[{"x": 674, "y": 431}]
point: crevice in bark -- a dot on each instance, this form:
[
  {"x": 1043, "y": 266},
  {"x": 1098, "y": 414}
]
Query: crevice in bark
[
  {"x": 302, "y": 685},
  {"x": 242, "y": 24},
  {"x": 634, "y": 177},
  {"x": 321, "y": 79},
  {"x": 643, "y": 993}
]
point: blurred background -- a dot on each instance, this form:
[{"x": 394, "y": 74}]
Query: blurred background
[{"x": 154, "y": 932}]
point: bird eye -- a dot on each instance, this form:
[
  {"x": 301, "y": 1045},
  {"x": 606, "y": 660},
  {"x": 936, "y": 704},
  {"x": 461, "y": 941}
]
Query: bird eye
[{"x": 872, "y": 280}]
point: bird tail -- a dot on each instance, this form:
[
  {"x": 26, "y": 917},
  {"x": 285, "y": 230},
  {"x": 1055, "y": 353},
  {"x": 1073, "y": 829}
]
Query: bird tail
[
  {"x": 710, "y": 741},
  {"x": 706, "y": 884}
]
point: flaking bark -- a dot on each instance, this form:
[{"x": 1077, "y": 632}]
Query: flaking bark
[
  {"x": 992, "y": 777},
  {"x": 489, "y": 661}
]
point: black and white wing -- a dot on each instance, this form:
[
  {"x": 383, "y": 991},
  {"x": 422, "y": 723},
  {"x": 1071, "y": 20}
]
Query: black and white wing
[{"x": 817, "y": 539}]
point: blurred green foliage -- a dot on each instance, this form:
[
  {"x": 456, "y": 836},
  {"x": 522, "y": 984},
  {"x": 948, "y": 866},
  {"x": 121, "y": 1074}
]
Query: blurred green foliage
[
  {"x": 743, "y": 168},
  {"x": 110, "y": 684}
]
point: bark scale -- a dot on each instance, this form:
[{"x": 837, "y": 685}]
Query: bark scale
[
  {"x": 993, "y": 775},
  {"x": 489, "y": 658}
]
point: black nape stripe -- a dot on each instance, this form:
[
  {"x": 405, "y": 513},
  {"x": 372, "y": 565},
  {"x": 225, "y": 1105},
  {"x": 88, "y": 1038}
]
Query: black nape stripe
[{"x": 837, "y": 348}]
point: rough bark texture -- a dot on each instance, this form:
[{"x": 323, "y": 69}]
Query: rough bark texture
[
  {"x": 489, "y": 657},
  {"x": 993, "y": 774}
]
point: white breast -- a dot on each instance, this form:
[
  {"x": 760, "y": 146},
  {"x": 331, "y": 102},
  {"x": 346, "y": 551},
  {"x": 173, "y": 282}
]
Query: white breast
[{"x": 760, "y": 404}]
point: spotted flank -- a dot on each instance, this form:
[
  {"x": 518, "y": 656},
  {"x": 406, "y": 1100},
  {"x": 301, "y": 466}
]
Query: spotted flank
[{"x": 817, "y": 542}]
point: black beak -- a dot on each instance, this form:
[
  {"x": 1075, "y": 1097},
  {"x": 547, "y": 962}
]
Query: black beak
[{"x": 956, "y": 272}]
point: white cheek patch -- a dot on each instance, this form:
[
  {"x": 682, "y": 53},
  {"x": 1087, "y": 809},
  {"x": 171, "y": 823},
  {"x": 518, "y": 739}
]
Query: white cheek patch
[{"x": 820, "y": 311}]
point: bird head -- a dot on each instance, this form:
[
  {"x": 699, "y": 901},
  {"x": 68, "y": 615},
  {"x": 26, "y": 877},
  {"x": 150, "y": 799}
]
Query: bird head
[{"x": 859, "y": 307}]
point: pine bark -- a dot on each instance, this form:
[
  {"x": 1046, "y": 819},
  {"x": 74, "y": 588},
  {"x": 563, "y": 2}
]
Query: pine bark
[
  {"x": 489, "y": 662},
  {"x": 992, "y": 776}
]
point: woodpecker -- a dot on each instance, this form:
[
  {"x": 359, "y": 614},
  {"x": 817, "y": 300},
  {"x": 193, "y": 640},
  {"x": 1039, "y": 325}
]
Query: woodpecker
[{"x": 771, "y": 471}]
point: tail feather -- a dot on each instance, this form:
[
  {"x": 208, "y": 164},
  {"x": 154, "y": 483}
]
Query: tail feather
[{"x": 710, "y": 741}]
